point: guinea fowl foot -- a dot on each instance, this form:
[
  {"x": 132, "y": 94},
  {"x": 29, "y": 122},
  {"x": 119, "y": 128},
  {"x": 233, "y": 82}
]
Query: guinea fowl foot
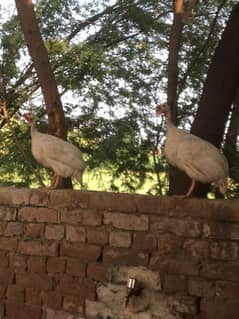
[
  {"x": 57, "y": 182},
  {"x": 189, "y": 192},
  {"x": 191, "y": 188}
]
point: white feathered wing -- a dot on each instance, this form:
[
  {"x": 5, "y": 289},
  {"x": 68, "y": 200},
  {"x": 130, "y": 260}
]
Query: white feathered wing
[
  {"x": 199, "y": 159},
  {"x": 62, "y": 157}
]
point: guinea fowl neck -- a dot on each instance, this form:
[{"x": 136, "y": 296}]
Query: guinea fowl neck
[
  {"x": 33, "y": 127},
  {"x": 168, "y": 118}
]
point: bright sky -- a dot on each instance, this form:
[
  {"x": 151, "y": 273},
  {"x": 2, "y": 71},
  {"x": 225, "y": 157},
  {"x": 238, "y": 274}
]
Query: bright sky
[
  {"x": 7, "y": 2},
  {"x": 7, "y": 8}
]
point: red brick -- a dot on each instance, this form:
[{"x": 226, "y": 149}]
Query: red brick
[
  {"x": 221, "y": 231},
  {"x": 196, "y": 249},
  {"x": 9, "y": 244},
  {"x": 86, "y": 253},
  {"x": 170, "y": 245},
  {"x": 6, "y": 276},
  {"x": 75, "y": 267},
  {"x": 88, "y": 217},
  {"x": 14, "y": 196},
  {"x": 34, "y": 230},
  {"x": 220, "y": 270},
  {"x": 15, "y": 294},
  {"x": 52, "y": 299},
  {"x": 224, "y": 250},
  {"x": 144, "y": 241},
  {"x": 68, "y": 198},
  {"x": 127, "y": 222},
  {"x": 37, "y": 264},
  {"x": 56, "y": 265},
  {"x": 201, "y": 287},
  {"x": 174, "y": 266},
  {"x": 37, "y": 248},
  {"x": 39, "y": 197},
  {"x": 125, "y": 256},
  {"x": 227, "y": 289},
  {"x": 18, "y": 262},
  {"x": 174, "y": 284},
  {"x": 113, "y": 201},
  {"x": 100, "y": 272},
  {"x": 73, "y": 304},
  {"x": 2, "y": 228},
  {"x": 2, "y": 292},
  {"x": 227, "y": 211},
  {"x": 120, "y": 239},
  {"x": 3, "y": 259},
  {"x": 2, "y": 310},
  {"x": 99, "y": 237},
  {"x": 219, "y": 308},
  {"x": 33, "y": 296},
  {"x": 154, "y": 204},
  {"x": 194, "y": 208},
  {"x": 7, "y": 213},
  {"x": 38, "y": 281},
  {"x": 98, "y": 200},
  {"x": 38, "y": 214},
  {"x": 75, "y": 233},
  {"x": 54, "y": 232},
  {"x": 81, "y": 287},
  {"x": 178, "y": 227},
  {"x": 20, "y": 311},
  {"x": 14, "y": 229}
]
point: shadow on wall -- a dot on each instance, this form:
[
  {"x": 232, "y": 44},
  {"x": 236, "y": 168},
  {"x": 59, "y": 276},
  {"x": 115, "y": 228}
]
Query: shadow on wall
[{"x": 69, "y": 254}]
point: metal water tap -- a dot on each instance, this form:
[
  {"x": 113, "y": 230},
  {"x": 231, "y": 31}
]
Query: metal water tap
[{"x": 134, "y": 288}]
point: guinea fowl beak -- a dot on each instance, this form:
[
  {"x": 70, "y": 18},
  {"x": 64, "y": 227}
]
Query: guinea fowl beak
[
  {"x": 27, "y": 117},
  {"x": 159, "y": 110}
]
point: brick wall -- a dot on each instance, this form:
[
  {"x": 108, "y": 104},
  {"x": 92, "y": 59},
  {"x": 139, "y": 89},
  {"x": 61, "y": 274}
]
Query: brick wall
[{"x": 68, "y": 254}]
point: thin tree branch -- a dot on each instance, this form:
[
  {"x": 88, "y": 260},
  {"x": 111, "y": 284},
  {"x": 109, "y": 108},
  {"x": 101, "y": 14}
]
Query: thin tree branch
[
  {"x": 89, "y": 21},
  {"x": 174, "y": 45},
  {"x": 198, "y": 52}
]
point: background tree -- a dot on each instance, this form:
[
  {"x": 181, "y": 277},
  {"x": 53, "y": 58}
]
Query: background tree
[
  {"x": 218, "y": 93},
  {"x": 39, "y": 55}
]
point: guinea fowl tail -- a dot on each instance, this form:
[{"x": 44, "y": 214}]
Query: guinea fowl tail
[{"x": 222, "y": 184}]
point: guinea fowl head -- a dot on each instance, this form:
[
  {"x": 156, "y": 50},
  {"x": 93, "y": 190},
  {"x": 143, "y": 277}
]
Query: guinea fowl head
[
  {"x": 162, "y": 109},
  {"x": 29, "y": 117}
]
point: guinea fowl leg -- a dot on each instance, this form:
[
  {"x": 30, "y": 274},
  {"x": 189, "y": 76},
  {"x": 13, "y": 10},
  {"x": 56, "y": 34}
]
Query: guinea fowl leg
[
  {"x": 56, "y": 181},
  {"x": 191, "y": 188}
]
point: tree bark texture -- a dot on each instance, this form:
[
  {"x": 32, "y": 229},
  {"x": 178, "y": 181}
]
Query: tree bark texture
[
  {"x": 230, "y": 145},
  {"x": 39, "y": 55},
  {"x": 174, "y": 46},
  {"x": 179, "y": 19},
  {"x": 219, "y": 91},
  {"x": 40, "y": 59}
]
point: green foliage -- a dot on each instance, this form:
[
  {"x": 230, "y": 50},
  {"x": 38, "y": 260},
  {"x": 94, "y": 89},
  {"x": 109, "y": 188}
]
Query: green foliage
[{"x": 110, "y": 62}]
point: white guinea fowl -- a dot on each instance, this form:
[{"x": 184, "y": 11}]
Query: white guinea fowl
[
  {"x": 62, "y": 157},
  {"x": 199, "y": 159}
]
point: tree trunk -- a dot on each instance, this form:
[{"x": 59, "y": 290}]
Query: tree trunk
[
  {"x": 179, "y": 19},
  {"x": 39, "y": 55},
  {"x": 218, "y": 94},
  {"x": 230, "y": 146},
  {"x": 174, "y": 46}
]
